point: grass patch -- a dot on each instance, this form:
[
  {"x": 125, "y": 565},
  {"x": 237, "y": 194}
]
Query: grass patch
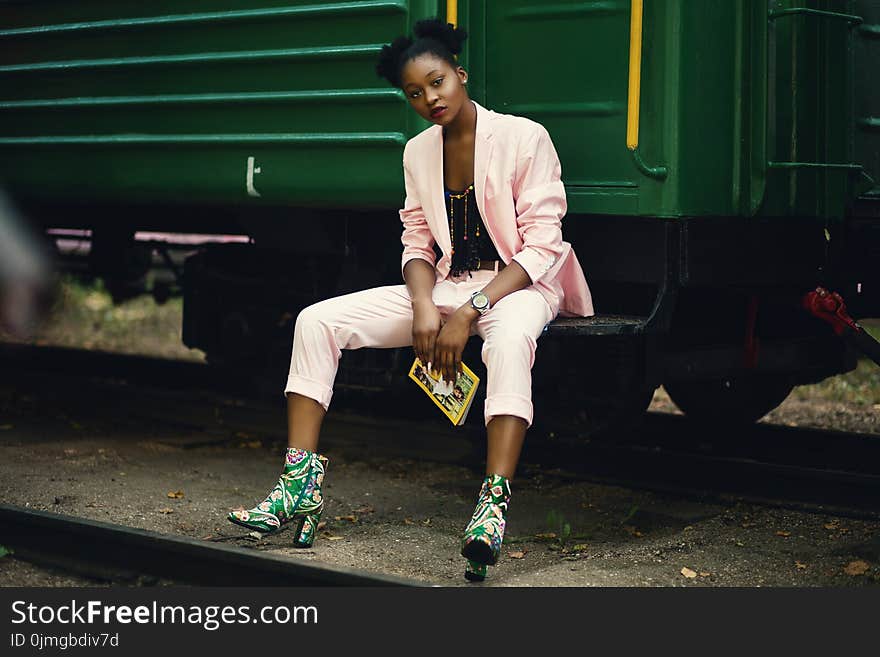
[
  {"x": 83, "y": 316},
  {"x": 861, "y": 387}
]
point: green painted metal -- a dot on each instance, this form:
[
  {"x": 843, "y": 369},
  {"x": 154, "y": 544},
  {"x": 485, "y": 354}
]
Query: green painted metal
[
  {"x": 658, "y": 172},
  {"x": 543, "y": 65},
  {"x": 806, "y": 11},
  {"x": 813, "y": 171},
  {"x": 866, "y": 71},
  {"x": 215, "y": 101},
  {"x": 745, "y": 106},
  {"x": 330, "y": 9}
]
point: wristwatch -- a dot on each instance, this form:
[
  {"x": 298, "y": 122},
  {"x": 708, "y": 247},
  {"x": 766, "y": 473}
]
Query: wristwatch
[{"x": 480, "y": 302}]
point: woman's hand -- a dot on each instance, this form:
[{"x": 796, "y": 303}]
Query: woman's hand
[
  {"x": 426, "y": 326},
  {"x": 451, "y": 341}
]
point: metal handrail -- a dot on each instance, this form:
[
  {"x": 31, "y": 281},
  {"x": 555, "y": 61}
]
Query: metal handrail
[
  {"x": 634, "y": 94},
  {"x": 795, "y": 11}
]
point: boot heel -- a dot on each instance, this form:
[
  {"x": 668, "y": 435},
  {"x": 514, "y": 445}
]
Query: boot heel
[
  {"x": 475, "y": 572},
  {"x": 306, "y": 530}
]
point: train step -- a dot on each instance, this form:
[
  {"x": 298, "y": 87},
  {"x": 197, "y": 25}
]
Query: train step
[{"x": 597, "y": 325}]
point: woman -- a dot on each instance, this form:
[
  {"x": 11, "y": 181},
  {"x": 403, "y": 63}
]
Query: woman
[{"x": 485, "y": 187}]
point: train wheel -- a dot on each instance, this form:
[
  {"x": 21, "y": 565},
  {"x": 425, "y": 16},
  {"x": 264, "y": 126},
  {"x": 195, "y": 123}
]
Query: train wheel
[{"x": 740, "y": 399}]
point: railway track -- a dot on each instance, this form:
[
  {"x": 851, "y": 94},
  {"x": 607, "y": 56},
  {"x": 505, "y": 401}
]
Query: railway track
[
  {"x": 809, "y": 469},
  {"x": 109, "y": 552}
]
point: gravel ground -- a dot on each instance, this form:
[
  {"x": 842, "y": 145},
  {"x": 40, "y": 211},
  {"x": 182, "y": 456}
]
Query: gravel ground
[{"x": 404, "y": 516}]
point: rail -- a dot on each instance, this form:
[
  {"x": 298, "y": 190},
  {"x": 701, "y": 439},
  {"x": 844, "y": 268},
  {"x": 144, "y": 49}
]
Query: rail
[{"x": 92, "y": 547}]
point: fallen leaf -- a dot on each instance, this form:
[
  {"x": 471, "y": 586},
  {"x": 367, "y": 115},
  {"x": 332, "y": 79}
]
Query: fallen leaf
[
  {"x": 704, "y": 574},
  {"x": 856, "y": 568},
  {"x": 366, "y": 508},
  {"x": 322, "y": 524},
  {"x": 255, "y": 536},
  {"x": 632, "y": 530},
  {"x": 175, "y": 494},
  {"x": 800, "y": 565},
  {"x": 251, "y": 444},
  {"x": 746, "y": 525},
  {"x": 546, "y": 536},
  {"x": 69, "y": 451},
  {"x": 783, "y": 534},
  {"x": 408, "y": 521},
  {"x": 832, "y": 525},
  {"x": 166, "y": 510},
  {"x": 519, "y": 554},
  {"x": 426, "y": 522},
  {"x": 580, "y": 547},
  {"x": 349, "y": 518},
  {"x": 5, "y": 427},
  {"x": 331, "y": 537},
  {"x": 687, "y": 572}
]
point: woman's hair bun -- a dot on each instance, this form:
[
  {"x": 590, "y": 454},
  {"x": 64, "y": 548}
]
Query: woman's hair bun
[
  {"x": 446, "y": 33},
  {"x": 388, "y": 65},
  {"x": 431, "y": 36}
]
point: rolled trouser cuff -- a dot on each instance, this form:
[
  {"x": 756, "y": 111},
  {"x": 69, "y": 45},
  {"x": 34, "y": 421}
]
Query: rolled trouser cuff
[
  {"x": 509, "y": 404},
  {"x": 310, "y": 388}
]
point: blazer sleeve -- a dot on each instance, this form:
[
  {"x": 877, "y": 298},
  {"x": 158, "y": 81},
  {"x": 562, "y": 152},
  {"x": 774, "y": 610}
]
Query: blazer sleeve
[
  {"x": 418, "y": 242},
  {"x": 540, "y": 204}
]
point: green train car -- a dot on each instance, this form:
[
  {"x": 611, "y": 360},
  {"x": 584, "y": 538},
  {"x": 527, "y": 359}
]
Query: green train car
[{"x": 721, "y": 159}]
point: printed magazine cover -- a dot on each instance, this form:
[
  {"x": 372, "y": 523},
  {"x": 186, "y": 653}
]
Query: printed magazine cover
[{"x": 453, "y": 400}]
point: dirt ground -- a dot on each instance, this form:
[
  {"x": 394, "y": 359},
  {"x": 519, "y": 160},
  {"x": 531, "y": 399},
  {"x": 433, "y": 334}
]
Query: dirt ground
[
  {"x": 392, "y": 513},
  {"x": 401, "y": 510}
]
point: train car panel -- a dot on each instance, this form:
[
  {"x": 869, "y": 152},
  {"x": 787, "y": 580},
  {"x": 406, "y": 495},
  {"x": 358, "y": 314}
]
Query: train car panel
[
  {"x": 583, "y": 103},
  {"x": 866, "y": 56},
  {"x": 195, "y": 102}
]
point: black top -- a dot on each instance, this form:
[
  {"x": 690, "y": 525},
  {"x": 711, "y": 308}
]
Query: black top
[{"x": 471, "y": 241}]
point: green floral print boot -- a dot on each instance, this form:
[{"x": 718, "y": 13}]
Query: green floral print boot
[
  {"x": 481, "y": 544},
  {"x": 295, "y": 498}
]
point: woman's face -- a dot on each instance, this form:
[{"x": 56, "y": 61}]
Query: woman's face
[{"x": 435, "y": 89}]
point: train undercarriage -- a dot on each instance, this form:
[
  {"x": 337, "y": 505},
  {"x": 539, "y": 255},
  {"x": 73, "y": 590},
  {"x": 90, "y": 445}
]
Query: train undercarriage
[{"x": 710, "y": 308}]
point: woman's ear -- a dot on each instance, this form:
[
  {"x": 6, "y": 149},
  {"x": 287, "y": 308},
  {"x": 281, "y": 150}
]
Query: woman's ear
[{"x": 462, "y": 74}]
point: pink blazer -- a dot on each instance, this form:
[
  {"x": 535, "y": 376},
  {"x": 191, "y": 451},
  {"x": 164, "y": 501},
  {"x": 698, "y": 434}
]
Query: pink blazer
[{"x": 521, "y": 199}]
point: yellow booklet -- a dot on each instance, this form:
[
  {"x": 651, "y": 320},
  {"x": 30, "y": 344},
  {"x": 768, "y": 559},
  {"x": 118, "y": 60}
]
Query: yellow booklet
[{"x": 453, "y": 399}]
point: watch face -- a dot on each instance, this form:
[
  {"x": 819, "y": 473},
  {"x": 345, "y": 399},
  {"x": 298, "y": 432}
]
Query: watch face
[{"x": 480, "y": 300}]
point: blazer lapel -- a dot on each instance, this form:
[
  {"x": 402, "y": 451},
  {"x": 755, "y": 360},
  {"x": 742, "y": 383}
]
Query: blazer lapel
[
  {"x": 482, "y": 155},
  {"x": 438, "y": 199}
]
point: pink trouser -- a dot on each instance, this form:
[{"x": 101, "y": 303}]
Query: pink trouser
[{"x": 382, "y": 317}]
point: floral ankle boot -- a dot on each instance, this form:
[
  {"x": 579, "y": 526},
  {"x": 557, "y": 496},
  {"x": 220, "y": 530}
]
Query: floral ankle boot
[
  {"x": 481, "y": 544},
  {"x": 296, "y": 498}
]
